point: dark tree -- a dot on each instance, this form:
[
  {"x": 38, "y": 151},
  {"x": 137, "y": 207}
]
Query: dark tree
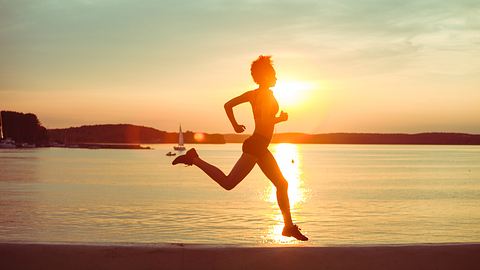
[{"x": 23, "y": 128}]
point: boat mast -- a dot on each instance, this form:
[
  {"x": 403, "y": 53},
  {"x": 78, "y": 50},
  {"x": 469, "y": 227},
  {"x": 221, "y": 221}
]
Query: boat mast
[{"x": 180, "y": 136}]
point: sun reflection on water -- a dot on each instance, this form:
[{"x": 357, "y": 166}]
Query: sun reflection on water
[{"x": 289, "y": 161}]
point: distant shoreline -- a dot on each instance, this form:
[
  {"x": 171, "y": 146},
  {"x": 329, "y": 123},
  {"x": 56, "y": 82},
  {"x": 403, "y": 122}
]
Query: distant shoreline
[
  {"x": 188, "y": 256},
  {"x": 132, "y": 134}
]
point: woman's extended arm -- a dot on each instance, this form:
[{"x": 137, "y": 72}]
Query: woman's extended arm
[{"x": 245, "y": 97}]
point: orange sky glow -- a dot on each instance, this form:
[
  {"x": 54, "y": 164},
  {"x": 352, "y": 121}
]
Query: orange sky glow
[{"x": 341, "y": 66}]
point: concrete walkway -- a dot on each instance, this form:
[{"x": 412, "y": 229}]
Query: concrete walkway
[{"x": 82, "y": 256}]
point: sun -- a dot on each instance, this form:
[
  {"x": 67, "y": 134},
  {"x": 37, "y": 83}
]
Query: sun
[{"x": 292, "y": 93}]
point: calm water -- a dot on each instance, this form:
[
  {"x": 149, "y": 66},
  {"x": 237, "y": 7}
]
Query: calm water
[{"x": 340, "y": 194}]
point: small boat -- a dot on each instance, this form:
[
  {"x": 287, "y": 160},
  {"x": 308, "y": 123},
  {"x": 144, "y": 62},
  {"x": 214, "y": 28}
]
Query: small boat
[
  {"x": 27, "y": 145},
  {"x": 171, "y": 154},
  {"x": 7, "y": 143},
  {"x": 180, "y": 146}
]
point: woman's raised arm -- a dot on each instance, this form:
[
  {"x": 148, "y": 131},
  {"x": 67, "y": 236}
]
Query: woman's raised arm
[{"x": 245, "y": 97}]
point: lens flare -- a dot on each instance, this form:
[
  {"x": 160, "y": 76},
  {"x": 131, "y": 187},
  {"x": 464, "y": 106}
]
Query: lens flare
[{"x": 199, "y": 137}]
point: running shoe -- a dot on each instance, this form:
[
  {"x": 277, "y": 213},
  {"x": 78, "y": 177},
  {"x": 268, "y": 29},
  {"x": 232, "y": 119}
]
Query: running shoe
[
  {"x": 186, "y": 159},
  {"x": 294, "y": 231}
]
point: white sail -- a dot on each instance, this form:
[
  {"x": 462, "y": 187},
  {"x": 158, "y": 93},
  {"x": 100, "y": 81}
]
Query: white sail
[
  {"x": 180, "y": 146},
  {"x": 1, "y": 127},
  {"x": 180, "y": 137}
]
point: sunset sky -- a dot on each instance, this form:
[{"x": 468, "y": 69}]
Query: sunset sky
[{"x": 348, "y": 65}]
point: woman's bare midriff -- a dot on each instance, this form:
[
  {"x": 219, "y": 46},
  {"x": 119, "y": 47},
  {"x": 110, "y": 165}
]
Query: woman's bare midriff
[{"x": 264, "y": 128}]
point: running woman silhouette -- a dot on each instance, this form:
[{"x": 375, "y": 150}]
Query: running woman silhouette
[{"x": 255, "y": 148}]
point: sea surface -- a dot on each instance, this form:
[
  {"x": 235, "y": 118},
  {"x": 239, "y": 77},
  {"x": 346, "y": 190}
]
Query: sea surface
[{"x": 340, "y": 195}]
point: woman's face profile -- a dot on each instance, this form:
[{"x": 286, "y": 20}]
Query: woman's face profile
[{"x": 269, "y": 79}]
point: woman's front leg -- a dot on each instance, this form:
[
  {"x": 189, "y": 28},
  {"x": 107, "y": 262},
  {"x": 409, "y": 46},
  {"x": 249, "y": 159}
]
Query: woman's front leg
[{"x": 269, "y": 167}]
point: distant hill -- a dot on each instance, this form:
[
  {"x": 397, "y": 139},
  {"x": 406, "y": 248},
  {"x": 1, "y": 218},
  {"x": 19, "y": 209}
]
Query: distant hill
[
  {"x": 125, "y": 133},
  {"x": 368, "y": 138}
]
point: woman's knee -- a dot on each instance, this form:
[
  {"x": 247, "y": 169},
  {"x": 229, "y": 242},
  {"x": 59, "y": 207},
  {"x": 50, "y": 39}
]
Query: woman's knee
[
  {"x": 228, "y": 186},
  {"x": 282, "y": 185},
  {"x": 230, "y": 183}
]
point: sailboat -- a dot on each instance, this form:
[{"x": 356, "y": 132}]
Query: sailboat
[{"x": 180, "y": 146}]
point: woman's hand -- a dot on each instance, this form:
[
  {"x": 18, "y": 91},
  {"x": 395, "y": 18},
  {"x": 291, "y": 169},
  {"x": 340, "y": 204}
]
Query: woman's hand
[
  {"x": 283, "y": 117},
  {"x": 239, "y": 128}
]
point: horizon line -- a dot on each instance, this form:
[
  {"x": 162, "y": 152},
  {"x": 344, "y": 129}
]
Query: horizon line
[{"x": 283, "y": 132}]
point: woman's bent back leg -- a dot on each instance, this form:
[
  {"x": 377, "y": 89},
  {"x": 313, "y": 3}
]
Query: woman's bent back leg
[{"x": 241, "y": 169}]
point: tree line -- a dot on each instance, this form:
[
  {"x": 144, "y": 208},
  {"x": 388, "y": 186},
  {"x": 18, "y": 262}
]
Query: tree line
[{"x": 125, "y": 133}]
